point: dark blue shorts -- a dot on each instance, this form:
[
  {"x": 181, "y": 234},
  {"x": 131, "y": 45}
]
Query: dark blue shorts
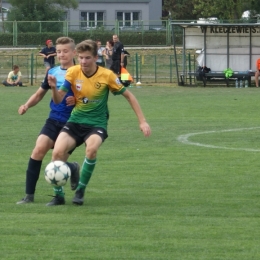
[
  {"x": 52, "y": 129},
  {"x": 82, "y": 132}
]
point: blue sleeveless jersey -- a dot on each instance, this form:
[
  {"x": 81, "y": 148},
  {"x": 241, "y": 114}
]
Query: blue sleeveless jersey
[{"x": 60, "y": 112}]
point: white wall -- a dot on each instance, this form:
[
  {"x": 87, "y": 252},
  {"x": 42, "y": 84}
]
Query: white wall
[{"x": 216, "y": 46}]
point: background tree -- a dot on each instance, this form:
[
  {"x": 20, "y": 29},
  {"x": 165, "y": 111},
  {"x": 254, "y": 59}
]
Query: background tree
[
  {"x": 179, "y": 9},
  {"x": 228, "y": 10},
  {"x": 223, "y": 9},
  {"x": 39, "y": 10}
]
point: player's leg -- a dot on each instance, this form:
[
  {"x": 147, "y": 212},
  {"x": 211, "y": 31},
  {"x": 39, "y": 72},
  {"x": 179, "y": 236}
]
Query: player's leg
[
  {"x": 63, "y": 145},
  {"x": 93, "y": 143},
  {"x": 43, "y": 145}
]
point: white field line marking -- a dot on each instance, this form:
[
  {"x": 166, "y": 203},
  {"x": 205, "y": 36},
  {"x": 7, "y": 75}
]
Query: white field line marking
[{"x": 185, "y": 139}]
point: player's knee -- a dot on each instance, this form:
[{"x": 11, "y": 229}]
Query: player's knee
[
  {"x": 58, "y": 155},
  {"x": 91, "y": 153},
  {"x": 39, "y": 152}
]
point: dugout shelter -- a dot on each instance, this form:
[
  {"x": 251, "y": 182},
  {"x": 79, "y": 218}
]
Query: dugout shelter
[{"x": 222, "y": 46}]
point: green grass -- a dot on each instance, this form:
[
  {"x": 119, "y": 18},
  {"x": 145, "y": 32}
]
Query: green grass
[{"x": 149, "y": 198}]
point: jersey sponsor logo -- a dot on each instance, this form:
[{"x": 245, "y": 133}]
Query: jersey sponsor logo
[
  {"x": 78, "y": 87},
  {"x": 85, "y": 100},
  {"x": 97, "y": 85},
  {"x": 79, "y": 84},
  {"x": 118, "y": 82}
]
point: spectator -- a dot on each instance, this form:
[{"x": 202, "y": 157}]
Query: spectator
[
  {"x": 100, "y": 61},
  {"x": 108, "y": 53},
  {"x": 117, "y": 56},
  {"x": 48, "y": 53},
  {"x": 14, "y": 77}
]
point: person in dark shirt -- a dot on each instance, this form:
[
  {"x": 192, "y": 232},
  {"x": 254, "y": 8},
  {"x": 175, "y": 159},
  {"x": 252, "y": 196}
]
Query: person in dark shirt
[
  {"x": 117, "y": 56},
  {"x": 48, "y": 53}
]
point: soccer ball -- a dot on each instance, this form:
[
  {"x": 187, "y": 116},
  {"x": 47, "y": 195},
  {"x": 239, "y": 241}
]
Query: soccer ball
[{"x": 57, "y": 173}]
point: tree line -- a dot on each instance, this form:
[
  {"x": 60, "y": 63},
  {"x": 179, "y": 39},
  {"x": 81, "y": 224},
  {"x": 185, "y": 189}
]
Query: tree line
[
  {"x": 227, "y": 10},
  {"x": 53, "y": 10}
]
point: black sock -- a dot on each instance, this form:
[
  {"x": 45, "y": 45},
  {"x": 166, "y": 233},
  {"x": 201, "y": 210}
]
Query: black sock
[{"x": 32, "y": 175}]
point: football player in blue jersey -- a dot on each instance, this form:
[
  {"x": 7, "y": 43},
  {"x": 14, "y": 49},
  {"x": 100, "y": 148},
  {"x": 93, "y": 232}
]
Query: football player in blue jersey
[{"x": 58, "y": 116}]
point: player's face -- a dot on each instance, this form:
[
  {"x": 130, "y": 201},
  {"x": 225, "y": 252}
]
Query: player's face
[
  {"x": 65, "y": 54},
  {"x": 87, "y": 62}
]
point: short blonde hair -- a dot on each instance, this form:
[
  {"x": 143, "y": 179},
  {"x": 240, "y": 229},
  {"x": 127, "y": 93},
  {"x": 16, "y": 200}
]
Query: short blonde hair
[{"x": 66, "y": 40}]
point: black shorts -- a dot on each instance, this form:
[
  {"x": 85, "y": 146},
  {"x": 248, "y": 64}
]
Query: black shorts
[
  {"x": 52, "y": 129},
  {"x": 116, "y": 67},
  {"x": 82, "y": 132}
]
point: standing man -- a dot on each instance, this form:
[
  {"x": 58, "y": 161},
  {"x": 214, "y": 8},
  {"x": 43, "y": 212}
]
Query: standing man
[
  {"x": 117, "y": 56},
  {"x": 58, "y": 116},
  {"x": 48, "y": 53},
  {"x": 88, "y": 121}
]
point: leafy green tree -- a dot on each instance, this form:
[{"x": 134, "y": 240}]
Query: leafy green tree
[
  {"x": 227, "y": 10},
  {"x": 179, "y": 9},
  {"x": 223, "y": 9},
  {"x": 39, "y": 10}
]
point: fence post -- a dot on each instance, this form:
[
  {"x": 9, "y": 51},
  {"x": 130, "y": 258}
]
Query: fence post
[
  {"x": 15, "y": 33},
  {"x": 170, "y": 68},
  {"x": 32, "y": 68},
  {"x": 136, "y": 67},
  {"x": 189, "y": 66},
  {"x": 155, "y": 67},
  {"x": 142, "y": 27}
]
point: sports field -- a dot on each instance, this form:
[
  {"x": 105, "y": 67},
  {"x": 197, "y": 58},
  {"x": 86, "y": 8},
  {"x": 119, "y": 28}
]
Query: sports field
[{"x": 190, "y": 191}]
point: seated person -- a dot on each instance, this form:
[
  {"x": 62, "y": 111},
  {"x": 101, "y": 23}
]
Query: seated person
[
  {"x": 14, "y": 77},
  {"x": 257, "y": 72}
]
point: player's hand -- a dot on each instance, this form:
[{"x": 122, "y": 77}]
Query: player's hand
[
  {"x": 70, "y": 101},
  {"x": 52, "y": 81},
  {"x": 22, "y": 109},
  {"x": 145, "y": 128}
]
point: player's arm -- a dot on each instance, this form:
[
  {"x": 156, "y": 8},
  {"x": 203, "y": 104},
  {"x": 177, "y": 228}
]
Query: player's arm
[
  {"x": 57, "y": 94},
  {"x": 53, "y": 54},
  {"x": 9, "y": 80},
  {"x": 144, "y": 126},
  {"x": 42, "y": 54},
  {"x": 32, "y": 101}
]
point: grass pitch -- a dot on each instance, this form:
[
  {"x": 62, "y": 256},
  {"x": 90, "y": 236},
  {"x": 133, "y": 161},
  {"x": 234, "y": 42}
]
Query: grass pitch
[{"x": 149, "y": 198}]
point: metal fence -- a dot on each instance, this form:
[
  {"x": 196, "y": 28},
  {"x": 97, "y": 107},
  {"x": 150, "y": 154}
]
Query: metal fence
[
  {"x": 34, "y": 33},
  {"x": 145, "y": 68}
]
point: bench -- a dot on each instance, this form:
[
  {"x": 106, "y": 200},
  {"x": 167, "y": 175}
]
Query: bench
[{"x": 218, "y": 75}]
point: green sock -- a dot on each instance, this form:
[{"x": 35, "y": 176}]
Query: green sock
[
  {"x": 86, "y": 172},
  {"x": 58, "y": 191}
]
